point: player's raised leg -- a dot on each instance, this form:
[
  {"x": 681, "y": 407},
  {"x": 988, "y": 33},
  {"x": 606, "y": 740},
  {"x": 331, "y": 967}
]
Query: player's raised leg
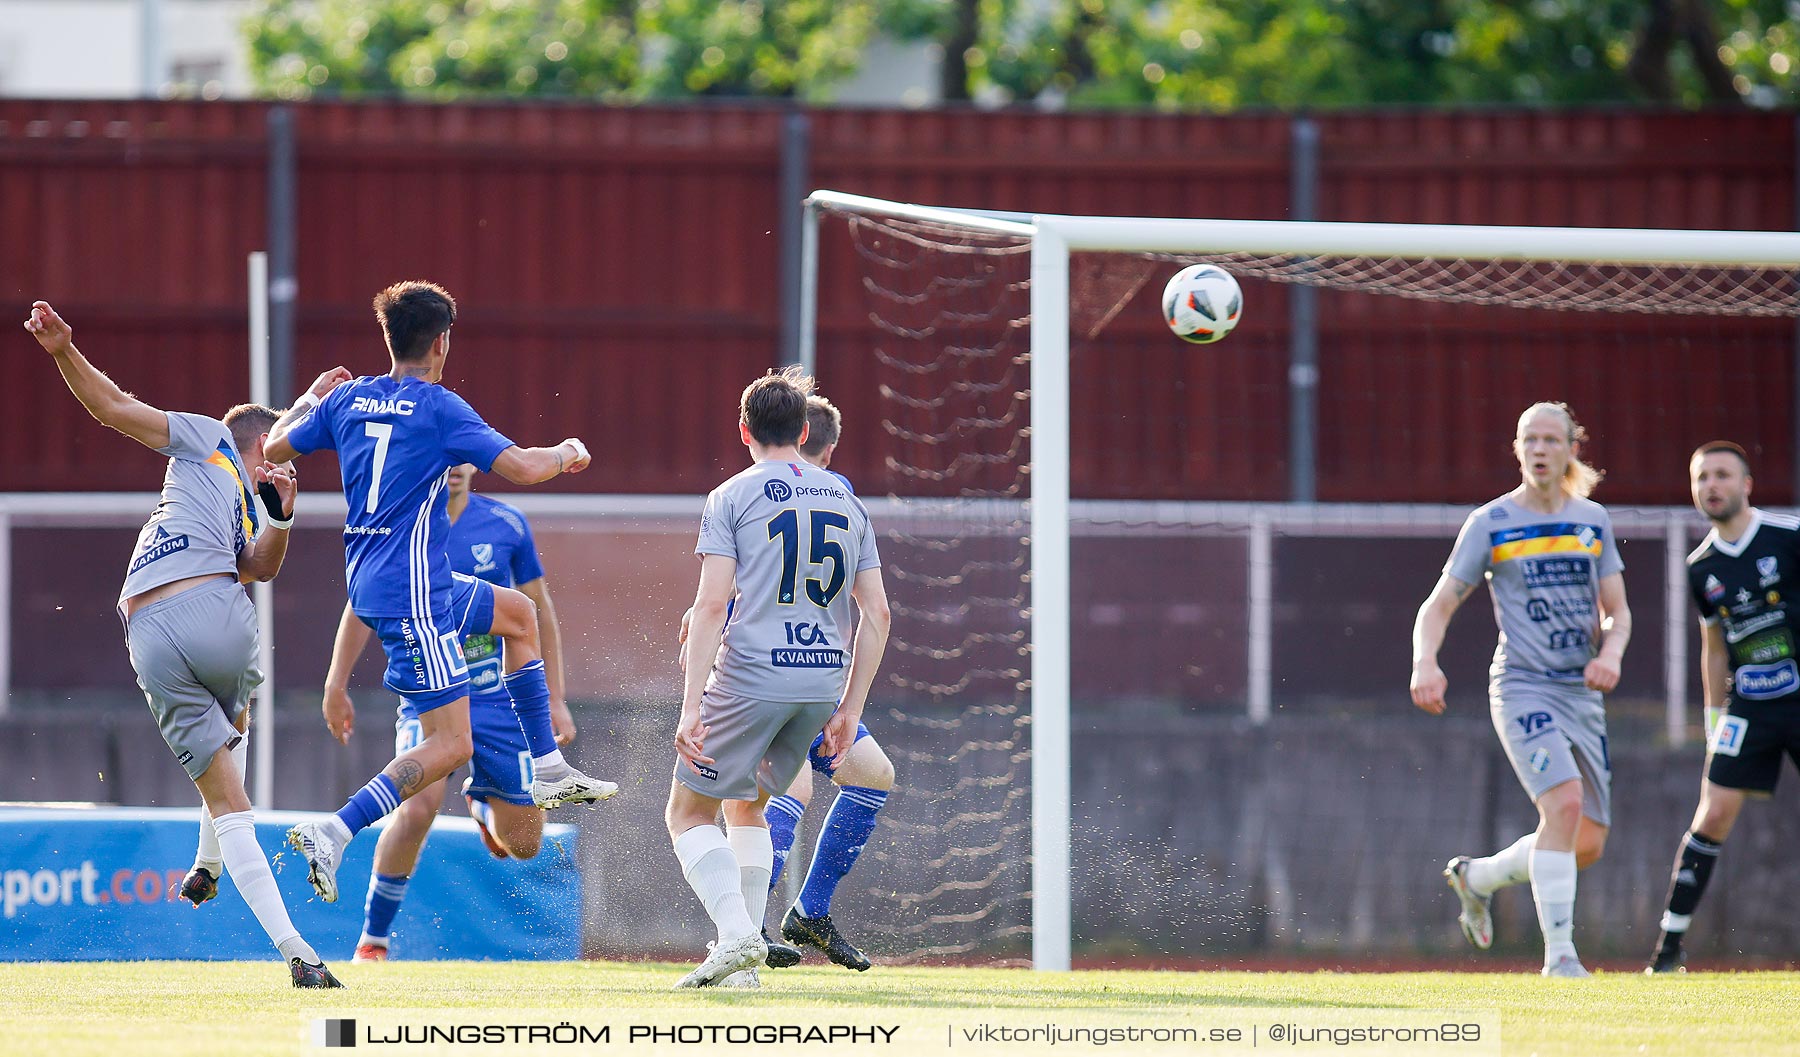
[
  {"x": 554, "y": 782},
  {"x": 445, "y": 745}
]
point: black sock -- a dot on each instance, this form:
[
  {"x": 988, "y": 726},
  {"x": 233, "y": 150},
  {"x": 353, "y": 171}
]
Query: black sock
[{"x": 1693, "y": 868}]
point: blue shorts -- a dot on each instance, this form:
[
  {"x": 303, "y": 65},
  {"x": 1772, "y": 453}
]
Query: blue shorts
[
  {"x": 426, "y": 666},
  {"x": 501, "y": 766},
  {"x": 820, "y": 763}
]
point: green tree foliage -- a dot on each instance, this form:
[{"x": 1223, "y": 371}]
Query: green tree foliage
[
  {"x": 1175, "y": 54},
  {"x": 608, "y": 49}
]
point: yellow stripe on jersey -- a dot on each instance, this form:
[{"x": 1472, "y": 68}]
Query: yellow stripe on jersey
[
  {"x": 1526, "y": 548},
  {"x": 219, "y": 459}
]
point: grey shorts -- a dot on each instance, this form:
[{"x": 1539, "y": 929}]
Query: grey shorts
[
  {"x": 195, "y": 658},
  {"x": 753, "y": 744},
  {"x": 1553, "y": 733}
]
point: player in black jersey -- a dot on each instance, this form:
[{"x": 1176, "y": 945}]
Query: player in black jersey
[{"x": 1745, "y": 579}]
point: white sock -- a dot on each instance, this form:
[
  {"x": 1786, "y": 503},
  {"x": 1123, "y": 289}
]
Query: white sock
[
  {"x": 208, "y": 854},
  {"x": 755, "y": 851},
  {"x": 335, "y": 829},
  {"x": 551, "y": 766},
  {"x": 711, "y": 869},
  {"x": 1553, "y": 889},
  {"x": 250, "y": 872},
  {"x": 1509, "y": 866}
]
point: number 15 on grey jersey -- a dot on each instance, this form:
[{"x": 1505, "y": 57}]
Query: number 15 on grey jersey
[{"x": 799, "y": 538}]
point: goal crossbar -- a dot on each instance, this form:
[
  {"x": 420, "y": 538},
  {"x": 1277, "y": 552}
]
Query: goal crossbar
[{"x": 1573, "y": 245}]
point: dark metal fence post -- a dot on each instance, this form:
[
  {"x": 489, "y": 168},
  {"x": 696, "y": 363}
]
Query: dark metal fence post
[
  {"x": 1303, "y": 325},
  {"x": 283, "y": 284},
  {"x": 790, "y": 187}
]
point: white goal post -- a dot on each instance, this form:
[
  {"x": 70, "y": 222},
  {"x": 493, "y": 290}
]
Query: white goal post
[{"x": 1053, "y": 238}]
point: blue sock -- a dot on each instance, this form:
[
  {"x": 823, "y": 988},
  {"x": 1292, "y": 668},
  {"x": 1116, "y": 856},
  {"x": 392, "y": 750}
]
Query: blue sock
[
  {"x": 371, "y": 802},
  {"x": 847, "y": 829},
  {"x": 531, "y": 704},
  {"x": 385, "y": 893},
  {"x": 783, "y": 815}
]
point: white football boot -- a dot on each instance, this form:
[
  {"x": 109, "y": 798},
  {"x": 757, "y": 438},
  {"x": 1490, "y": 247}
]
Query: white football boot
[
  {"x": 745, "y": 952},
  {"x": 571, "y": 788},
  {"x": 1477, "y": 924},
  {"x": 321, "y": 854}
]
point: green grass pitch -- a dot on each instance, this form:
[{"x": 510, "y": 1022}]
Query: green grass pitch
[{"x": 247, "y": 1008}]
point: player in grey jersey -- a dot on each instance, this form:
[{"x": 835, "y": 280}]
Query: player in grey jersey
[
  {"x": 1553, "y": 568},
  {"x": 795, "y": 548},
  {"x": 189, "y": 628}
]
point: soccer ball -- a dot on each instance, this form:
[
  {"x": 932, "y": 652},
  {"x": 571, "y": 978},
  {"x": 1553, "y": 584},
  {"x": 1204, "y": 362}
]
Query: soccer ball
[{"x": 1201, "y": 303}]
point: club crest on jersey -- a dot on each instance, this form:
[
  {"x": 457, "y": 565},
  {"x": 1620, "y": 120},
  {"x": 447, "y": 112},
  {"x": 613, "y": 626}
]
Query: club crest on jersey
[
  {"x": 1714, "y": 589},
  {"x": 484, "y": 556},
  {"x": 779, "y": 491},
  {"x": 1769, "y": 569}
]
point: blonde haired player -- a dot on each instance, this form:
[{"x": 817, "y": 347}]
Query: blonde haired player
[{"x": 1552, "y": 565}]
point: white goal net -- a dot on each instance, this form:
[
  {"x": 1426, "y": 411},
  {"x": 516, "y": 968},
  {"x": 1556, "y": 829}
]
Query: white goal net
[{"x": 1133, "y": 715}]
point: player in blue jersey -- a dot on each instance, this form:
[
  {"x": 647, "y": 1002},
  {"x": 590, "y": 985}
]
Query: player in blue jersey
[
  {"x": 490, "y": 540},
  {"x": 796, "y": 551},
  {"x": 864, "y": 778},
  {"x": 397, "y": 435}
]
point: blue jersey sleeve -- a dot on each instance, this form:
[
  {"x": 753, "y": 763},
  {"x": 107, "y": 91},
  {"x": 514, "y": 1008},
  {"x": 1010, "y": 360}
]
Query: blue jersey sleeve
[
  {"x": 525, "y": 564},
  {"x": 466, "y": 437},
  {"x": 313, "y": 433}
]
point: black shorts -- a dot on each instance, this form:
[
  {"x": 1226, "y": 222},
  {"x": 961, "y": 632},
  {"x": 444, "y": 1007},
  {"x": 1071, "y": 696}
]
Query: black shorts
[{"x": 1747, "y": 746}]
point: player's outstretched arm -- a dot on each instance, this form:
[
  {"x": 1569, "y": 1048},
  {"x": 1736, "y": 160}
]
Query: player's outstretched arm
[
  {"x": 537, "y": 465},
  {"x": 276, "y": 448},
  {"x": 276, "y": 487},
  {"x": 870, "y": 593},
  {"x": 1602, "y": 672},
  {"x": 103, "y": 398},
  {"x": 340, "y": 711},
  {"x": 1428, "y": 680},
  {"x": 718, "y": 578}
]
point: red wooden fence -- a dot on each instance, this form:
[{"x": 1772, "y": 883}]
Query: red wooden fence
[{"x": 617, "y": 271}]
